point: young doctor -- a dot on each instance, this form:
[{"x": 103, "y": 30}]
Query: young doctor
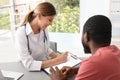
[{"x": 32, "y": 40}]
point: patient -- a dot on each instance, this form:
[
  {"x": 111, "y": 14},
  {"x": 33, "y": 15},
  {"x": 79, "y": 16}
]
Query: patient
[{"x": 104, "y": 64}]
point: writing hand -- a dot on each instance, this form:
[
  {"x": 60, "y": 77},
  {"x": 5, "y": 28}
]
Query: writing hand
[{"x": 62, "y": 57}]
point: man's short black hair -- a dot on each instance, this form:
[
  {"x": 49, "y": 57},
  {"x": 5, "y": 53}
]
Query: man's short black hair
[{"x": 98, "y": 28}]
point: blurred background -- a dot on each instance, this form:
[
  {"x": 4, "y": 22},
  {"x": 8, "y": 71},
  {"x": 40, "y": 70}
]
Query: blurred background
[{"x": 67, "y": 26}]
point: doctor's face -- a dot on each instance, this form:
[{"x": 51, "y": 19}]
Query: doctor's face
[{"x": 45, "y": 21}]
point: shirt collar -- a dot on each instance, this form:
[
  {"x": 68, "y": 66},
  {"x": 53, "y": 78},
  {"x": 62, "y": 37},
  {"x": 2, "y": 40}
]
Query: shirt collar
[{"x": 28, "y": 29}]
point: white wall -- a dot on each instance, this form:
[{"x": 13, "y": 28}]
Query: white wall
[
  {"x": 89, "y": 8},
  {"x": 115, "y": 17}
]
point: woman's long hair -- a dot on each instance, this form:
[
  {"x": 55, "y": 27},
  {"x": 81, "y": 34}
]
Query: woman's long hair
[{"x": 44, "y": 9}]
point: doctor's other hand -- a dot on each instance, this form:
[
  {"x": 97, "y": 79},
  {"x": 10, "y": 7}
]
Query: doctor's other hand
[
  {"x": 62, "y": 57},
  {"x": 56, "y": 74}
]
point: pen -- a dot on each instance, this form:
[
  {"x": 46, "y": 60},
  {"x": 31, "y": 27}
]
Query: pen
[{"x": 73, "y": 56}]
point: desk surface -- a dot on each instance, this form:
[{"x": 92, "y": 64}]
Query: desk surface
[{"x": 18, "y": 67}]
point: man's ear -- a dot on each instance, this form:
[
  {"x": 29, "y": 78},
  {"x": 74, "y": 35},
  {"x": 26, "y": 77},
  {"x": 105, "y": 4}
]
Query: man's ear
[{"x": 85, "y": 37}]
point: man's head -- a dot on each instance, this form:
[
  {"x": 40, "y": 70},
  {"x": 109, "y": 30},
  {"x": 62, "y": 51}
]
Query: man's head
[{"x": 97, "y": 29}]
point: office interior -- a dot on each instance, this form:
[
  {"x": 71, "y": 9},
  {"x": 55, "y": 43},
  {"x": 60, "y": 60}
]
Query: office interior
[{"x": 66, "y": 41}]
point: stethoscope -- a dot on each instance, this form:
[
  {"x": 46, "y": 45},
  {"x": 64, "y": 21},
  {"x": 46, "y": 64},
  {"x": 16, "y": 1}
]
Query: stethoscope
[{"x": 44, "y": 39}]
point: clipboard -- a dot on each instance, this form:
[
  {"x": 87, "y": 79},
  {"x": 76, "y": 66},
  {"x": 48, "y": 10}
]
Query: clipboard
[{"x": 72, "y": 60}]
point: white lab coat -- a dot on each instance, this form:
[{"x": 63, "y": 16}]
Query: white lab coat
[{"x": 39, "y": 49}]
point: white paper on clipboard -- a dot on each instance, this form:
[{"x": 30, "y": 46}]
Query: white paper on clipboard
[{"x": 72, "y": 61}]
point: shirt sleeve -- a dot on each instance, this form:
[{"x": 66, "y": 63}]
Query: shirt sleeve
[
  {"x": 87, "y": 71},
  {"x": 21, "y": 46}
]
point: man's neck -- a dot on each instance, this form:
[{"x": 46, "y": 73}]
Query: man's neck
[{"x": 94, "y": 47}]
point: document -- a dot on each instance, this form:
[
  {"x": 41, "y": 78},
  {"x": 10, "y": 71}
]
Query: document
[
  {"x": 72, "y": 60},
  {"x": 11, "y": 74}
]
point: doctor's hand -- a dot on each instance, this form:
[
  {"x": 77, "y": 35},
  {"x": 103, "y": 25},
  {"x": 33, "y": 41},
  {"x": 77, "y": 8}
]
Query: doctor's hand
[
  {"x": 56, "y": 74},
  {"x": 62, "y": 57}
]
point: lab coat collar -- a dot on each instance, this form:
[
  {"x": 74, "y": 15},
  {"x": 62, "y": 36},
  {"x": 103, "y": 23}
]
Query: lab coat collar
[{"x": 28, "y": 29}]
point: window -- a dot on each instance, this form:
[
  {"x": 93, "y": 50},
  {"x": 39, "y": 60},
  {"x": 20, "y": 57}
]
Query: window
[
  {"x": 4, "y": 15},
  {"x": 67, "y": 19}
]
